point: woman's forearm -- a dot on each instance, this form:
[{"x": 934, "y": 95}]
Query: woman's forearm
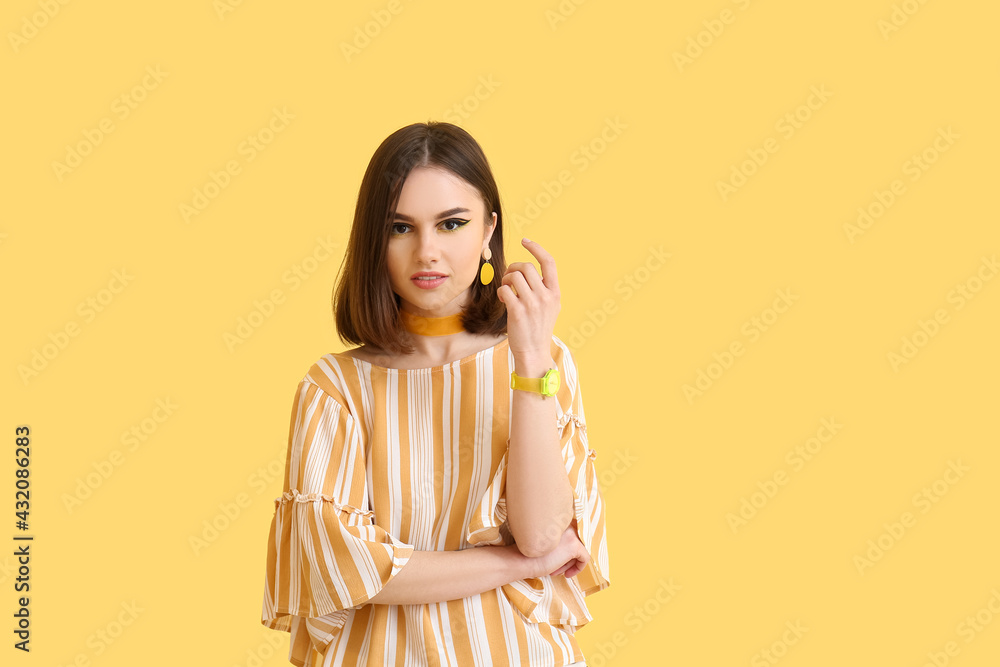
[
  {"x": 438, "y": 576},
  {"x": 539, "y": 495}
]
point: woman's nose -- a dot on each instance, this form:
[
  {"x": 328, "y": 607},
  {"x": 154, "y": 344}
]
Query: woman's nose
[{"x": 427, "y": 245}]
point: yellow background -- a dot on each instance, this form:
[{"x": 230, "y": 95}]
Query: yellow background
[{"x": 534, "y": 91}]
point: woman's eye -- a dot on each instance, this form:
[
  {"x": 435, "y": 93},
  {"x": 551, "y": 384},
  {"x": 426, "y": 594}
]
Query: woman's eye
[
  {"x": 456, "y": 221},
  {"x": 402, "y": 228}
]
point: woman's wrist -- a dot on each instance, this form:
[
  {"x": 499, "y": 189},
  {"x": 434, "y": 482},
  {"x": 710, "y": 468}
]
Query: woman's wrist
[
  {"x": 519, "y": 565},
  {"x": 533, "y": 365}
]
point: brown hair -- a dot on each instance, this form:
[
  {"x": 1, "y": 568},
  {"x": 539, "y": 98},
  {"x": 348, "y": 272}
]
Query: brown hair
[{"x": 365, "y": 308}]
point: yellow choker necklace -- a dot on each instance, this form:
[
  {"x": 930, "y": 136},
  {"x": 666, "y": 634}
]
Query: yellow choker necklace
[{"x": 431, "y": 326}]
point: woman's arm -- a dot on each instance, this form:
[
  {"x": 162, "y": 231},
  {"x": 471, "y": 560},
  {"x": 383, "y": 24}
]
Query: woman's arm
[
  {"x": 438, "y": 576},
  {"x": 539, "y": 495},
  {"x": 540, "y": 503}
]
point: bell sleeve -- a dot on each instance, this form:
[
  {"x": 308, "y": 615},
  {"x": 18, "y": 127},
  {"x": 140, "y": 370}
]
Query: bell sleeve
[
  {"x": 556, "y": 600},
  {"x": 326, "y": 554}
]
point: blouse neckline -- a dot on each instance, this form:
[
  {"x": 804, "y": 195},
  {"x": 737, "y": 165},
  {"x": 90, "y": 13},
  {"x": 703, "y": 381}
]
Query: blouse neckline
[{"x": 429, "y": 369}]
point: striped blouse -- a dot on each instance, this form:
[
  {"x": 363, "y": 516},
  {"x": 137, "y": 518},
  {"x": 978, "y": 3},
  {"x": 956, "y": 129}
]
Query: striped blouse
[{"x": 383, "y": 461}]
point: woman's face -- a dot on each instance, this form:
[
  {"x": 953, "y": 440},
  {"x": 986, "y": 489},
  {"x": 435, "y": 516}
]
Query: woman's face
[{"x": 429, "y": 234}]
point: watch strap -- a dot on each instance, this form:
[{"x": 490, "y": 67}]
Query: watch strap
[{"x": 547, "y": 385}]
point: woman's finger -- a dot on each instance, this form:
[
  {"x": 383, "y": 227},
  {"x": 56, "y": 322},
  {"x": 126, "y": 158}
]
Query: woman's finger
[
  {"x": 531, "y": 276},
  {"x": 528, "y": 273},
  {"x": 516, "y": 281},
  {"x": 545, "y": 261},
  {"x": 509, "y": 298},
  {"x": 573, "y": 568},
  {"x": 563, "y": 568}
]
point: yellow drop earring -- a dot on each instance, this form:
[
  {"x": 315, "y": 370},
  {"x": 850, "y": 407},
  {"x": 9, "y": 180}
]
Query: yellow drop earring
[{"x": 486, "y": 273}]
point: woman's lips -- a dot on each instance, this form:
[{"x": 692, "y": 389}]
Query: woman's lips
[{"x": 428, "y": 282}]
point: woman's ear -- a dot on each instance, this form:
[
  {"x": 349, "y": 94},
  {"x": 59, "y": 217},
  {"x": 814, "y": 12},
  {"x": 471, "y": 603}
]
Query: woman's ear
[{"x": 492, "y": 228}]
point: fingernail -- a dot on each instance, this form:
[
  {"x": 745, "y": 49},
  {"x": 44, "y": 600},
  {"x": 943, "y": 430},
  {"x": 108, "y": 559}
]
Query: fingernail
[{"x": 526, "y": 240}]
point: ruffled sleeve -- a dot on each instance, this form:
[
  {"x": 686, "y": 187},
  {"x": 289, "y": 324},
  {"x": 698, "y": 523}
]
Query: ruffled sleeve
[
  {"x": 556, "y": 600},
  {"x": 325, "y": 553}
]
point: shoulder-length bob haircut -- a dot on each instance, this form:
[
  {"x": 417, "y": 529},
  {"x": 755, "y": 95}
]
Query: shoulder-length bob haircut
[{"x": 365, "y": 308}]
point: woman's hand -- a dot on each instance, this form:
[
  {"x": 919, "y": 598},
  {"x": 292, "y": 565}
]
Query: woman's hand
[
  {"x": 531, "y": 312},
  {"x": 568, "y": 558}
]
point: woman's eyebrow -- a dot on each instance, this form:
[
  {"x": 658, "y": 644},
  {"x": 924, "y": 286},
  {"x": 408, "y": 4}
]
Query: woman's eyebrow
[{"x": 443, "y": 214}]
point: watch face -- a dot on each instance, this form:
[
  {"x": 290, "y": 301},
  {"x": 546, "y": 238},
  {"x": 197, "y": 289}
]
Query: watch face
[{"x": 552, "y": 382}]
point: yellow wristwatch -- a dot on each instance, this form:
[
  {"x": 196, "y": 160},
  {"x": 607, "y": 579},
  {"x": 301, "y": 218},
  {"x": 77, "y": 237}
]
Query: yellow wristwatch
[{"x": 547, "y": 385}]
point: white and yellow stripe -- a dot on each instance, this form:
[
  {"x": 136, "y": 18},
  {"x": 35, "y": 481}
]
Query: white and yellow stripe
[{"x": 382, "y": 462}]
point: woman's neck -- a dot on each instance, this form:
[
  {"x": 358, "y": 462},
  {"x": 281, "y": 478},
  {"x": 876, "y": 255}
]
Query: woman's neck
[{"x": 438, "y": 350}]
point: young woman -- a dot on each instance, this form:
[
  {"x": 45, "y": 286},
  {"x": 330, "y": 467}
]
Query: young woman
[{"x": 440, "y": 505}]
